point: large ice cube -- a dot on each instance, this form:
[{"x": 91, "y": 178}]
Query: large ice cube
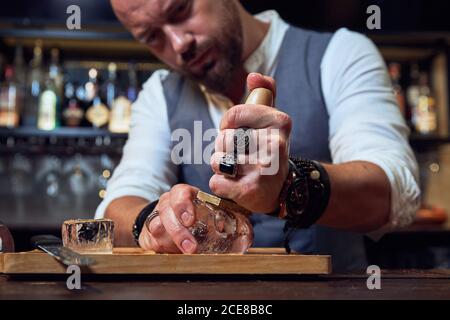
[{"x": 219, "y": 230}]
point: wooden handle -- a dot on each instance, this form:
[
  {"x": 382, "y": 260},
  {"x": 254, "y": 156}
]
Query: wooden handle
[{"x": 260, "y": 96}]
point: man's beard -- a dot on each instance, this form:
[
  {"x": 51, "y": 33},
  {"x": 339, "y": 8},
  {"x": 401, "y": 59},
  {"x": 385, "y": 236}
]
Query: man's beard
[{"x": 218, "y": 76}]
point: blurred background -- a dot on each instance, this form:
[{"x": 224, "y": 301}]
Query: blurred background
[{"x": 65, "y": 101}]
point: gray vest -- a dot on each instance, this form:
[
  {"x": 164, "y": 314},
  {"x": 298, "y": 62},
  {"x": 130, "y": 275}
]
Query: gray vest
[{"x": 299, "y": 94}]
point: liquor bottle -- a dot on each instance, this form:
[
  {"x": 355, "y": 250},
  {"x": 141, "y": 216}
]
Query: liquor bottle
[
  {"x": 133, "y": 85},
  {"x": 97, "y": 113},
  {"x": 51, "y": 96},
  {"x": 55, "y": 72},
  {"x": 120, "y": 115},
  {"x": 10, "y": 100},
  {"x": 91, "y": 87},
  {"x": 395, "y": 73},
  {"x": 73, "y": 113},
  {"x": 34, "y": 87},
  {"x": 111, "y": 85},
  {"x": 19, "y": 66},
  {"x": 119, "y": 104},
  {"x": 48, "y": 116},
  {"x": 413, "y": 91},
  {"x": 2, "y": 61},
  {"x": 424, "y": 113}
]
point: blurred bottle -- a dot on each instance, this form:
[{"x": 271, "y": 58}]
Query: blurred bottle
[
  {"x": 2, "y": 62},
  {"x": 395, "y": 73},
  {"x": 90, "y": 88},
  {"x": 424, "y": 114},
  {"x": 73, "y": 113},
  {"x": 80, "y": 95},
  {"x": 413, "y": 91},
  {"x": 133, "y": 84},
  {"x": 119, "y": 104},
  {"x": 80, "y": 92},
  {"x": 20, "y": 71},
  {"x": 10, "y": 100},
  {"x": 56, "y": 73},
  {"x": 49, "y": 101},
  {"x": 97, "y": 113},
  {"x": 34, "y": 87},
  {"x": 111, "y": 88},
  {"x": 19, "y": 67}
]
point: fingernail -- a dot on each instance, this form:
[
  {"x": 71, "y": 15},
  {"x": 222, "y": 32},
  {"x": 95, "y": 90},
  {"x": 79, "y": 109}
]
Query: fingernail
[
  {"x": 188, "y": 246},
  {"x": 186, "y": 217}
]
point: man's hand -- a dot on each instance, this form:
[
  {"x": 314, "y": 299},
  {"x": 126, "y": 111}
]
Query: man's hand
[
  {"x": 168, "y": 233},
  {"x": 254, "y": 188}
]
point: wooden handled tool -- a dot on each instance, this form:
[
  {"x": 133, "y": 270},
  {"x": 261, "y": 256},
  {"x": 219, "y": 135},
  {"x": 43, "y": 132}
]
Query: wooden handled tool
[{"x": 260, "y": 96}]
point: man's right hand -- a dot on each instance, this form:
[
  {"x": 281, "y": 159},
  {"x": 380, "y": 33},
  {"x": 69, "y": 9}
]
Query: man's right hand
[{"x": 168, "y": 232}]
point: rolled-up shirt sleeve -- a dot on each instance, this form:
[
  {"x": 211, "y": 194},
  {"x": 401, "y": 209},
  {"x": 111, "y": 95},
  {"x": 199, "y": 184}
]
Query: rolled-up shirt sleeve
[
  {"x": 146, "y": 169},
  {"x": 365, "y": 121}
]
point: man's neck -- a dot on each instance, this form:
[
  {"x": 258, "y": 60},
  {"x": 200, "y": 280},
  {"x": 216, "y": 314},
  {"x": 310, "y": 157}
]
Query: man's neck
[
  {"x": 254, "y": 32},
  {"x": 237, "y": 89}
]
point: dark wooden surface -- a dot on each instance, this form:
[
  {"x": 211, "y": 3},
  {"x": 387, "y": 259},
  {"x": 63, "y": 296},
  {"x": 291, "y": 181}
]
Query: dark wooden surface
[{"x": 394, "y": 285}]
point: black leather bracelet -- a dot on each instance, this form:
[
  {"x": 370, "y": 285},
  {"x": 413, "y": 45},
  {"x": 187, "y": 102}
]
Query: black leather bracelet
[
  {"x": 140, "y": 219},
  {"x": 318, "y": 185}
]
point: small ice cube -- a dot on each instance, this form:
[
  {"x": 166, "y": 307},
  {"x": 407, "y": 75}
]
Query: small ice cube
[{"x": 89, "y": 236}]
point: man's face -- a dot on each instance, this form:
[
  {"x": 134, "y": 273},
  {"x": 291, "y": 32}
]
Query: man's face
[{"x": 201, "y": 39}]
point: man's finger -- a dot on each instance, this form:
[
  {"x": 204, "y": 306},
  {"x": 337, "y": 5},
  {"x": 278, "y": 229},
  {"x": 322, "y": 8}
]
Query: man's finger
[
  {"x": 245, "y": 166},
  {"x": 161, "y": 241},
  {"x": 144, "y": 241},
  {"x": 180, "y": 235},
  {"x": 224, "y": 187},
  {"x": 258, "y": 139},
  {"x": 257, "y": 80},
  {"x": 234, "y": 189},
  {"x": 156, "y": 227},
  {"x": 255, "y": 117},
  {"x": 181, "y": 202},
  {"x": 225, "y": 141},
  {"x": 163, "y": 244}
]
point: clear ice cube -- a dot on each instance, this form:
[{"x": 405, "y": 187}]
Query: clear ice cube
[{"x": 89, "y": 236}]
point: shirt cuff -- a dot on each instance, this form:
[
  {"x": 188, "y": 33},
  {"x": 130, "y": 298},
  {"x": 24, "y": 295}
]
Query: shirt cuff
[{"x": 405, "y": 195}]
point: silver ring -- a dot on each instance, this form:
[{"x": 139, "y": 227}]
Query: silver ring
[
  {"x": 241, "y": 140},
  {"x": 228, "y": 165},
  {"x": 149, "y": 219}
]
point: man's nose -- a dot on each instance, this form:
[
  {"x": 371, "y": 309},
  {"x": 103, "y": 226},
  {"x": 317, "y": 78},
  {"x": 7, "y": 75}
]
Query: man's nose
[{"x": 180, "y": 39}]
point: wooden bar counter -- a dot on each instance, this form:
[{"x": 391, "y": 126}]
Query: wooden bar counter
[{"x": 394, "y": 285}]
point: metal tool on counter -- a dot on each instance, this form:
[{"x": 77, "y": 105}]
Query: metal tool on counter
[
  {"x": 6, "y": 239},
  {"x": 54, "y": 247}
]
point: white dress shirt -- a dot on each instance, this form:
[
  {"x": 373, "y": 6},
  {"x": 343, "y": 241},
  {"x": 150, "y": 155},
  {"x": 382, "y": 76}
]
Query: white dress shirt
[{"x": 364, "y": 120}]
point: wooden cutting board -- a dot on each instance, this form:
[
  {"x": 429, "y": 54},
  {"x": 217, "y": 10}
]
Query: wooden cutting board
[{"x": 135, "y": 261}]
